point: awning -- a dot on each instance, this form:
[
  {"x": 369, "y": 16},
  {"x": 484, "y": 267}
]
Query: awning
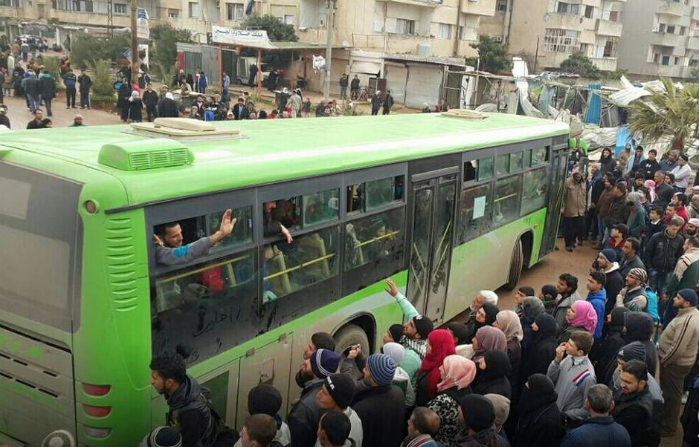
[
  {"x": 455, "y": 61},
  {"x": 371, "y": 68},
  {"x": 259, "y": 40}
]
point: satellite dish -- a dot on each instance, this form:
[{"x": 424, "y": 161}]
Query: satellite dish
[{"x": 59, "y": 438}]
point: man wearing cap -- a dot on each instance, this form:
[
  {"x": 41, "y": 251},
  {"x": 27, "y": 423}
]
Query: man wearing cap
[
  {"x": 677, "y": 350},
  {"x": 478, "y": 416},
  {"x": 4, "y": 120},
  {"x": 606, "y": 263},
  {"x": 380, "y": 406},
  {"x": 685, "y": 275},
  {"x": 574, "y": 209},
  {"x": 417, "y": 328},
  {"x": 660, "y": 256},
  {"x": 305, "y": 414},
  {"x": 692, "y": 228},
  {"x": 77, "y": 121},
  {"x": 336, "y": 394},
  {"x": 682, "y": 172},
  {"x": 265, "y": 399},
  {"x": 633, "y": 296}
]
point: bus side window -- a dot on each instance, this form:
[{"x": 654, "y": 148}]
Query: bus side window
[
  {"x": 470, "y": 170},
  {"x": 476, "y": 205},
  {"x": 373, "y": 237},
  {"x": 507, "y": 194},
  {"x": 534, "y": 190}
]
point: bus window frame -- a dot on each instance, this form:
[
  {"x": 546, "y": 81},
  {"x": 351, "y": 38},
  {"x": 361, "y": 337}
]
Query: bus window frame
[{"x": 193, "y": 208}]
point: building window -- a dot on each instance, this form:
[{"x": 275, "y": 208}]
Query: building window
[
  {"x": 661, "y": 28},
  {"x": 589, "y": 11},
  {"x": 568, "y": 9},
  {"x": 173, "y": 13},
  {"x": 444, "y": 31},
  {"x": 119, "y": 9},
  {"x": 194, "y": 10},
  {"x": 661, "y": 59},
  {"x": 610, "y": 47},
  {"x": 501, "y": 6},
  {"x": 289, "y": 19},
  {"x": 677, "y": 60},
  {"x": 235, "y": 11},
  {"x": 470, "y": 34},
  {"x": 89, "y": 7},
  {"x": 683, "y": 30},
  {"x": 404, "y": 26},
  {"x": 11, "y": 3},
  {"x": 561, "y": 41},
  {"x": 670, "y": 29},
  {"x": 614, "y": 16}
]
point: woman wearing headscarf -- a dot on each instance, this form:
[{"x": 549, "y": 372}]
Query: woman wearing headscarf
[
  {"x": 606, "y": 349},
  {"x": 135, "y": 108},
  {"x": 580, "y": 316},
  {"x": 543, "y": 347},
  {"x": 457, "y": 374},
  {"x": 440, "y": 345},
  {"x": 508, "y": 322},
  {"x": 532, "y": 307},
  {"x": 487, "y": 339},
  {"x": 485, "y": 316},
  {"x": 501, "y": 405},
  {"x": 539, "y": 423},
  {"x": 478, "y": 416},
  {"x": 491, "y": 378},
  {"x": 606, "y": 161},
  {"x": 411, "y": 361}
]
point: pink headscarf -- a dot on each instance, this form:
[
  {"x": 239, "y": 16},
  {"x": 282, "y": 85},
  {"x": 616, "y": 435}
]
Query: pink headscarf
[
  {"x": 457, "y": 371},
  {"x": 650, "y": 185},
  {"x": 585, "y": 316}
]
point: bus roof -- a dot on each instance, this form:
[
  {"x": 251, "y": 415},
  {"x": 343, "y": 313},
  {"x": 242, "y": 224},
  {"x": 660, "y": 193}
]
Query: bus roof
[{"x": 277, "y": 150}]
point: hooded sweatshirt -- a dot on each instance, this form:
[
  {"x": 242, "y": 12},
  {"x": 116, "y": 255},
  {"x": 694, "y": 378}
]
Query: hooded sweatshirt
[
  {"x": 190, "y": 411},
  {"x": 615, "y": 282},
  {"x": 572, "y": 377},
  {"x": 598, "y": 300}
]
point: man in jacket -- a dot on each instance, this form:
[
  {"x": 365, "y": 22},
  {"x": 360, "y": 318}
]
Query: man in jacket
[
  {"x": 150, "y": 100},
  {"x": 376, "y": 103},
  {"x": 85, "y": 82},
  {"x": 634, "y": 296},
  {"x": 669, "y": 163},
  {"x": 295, "y": 104},
  {"x": 189, "y": 409},
  {"x": 566, "y": 287},
  {"x": 573, "y": 374},
  {"x": 4, "y": 120},
  {"x": 417, "y": 327},
  {"x": 167, "y": 107},
  {"x": 336, "y": 394},
  {"x": 354, "y": 88},
  {"x": 618, "y": 209},
  {"x": 574, "y": 209},
  {"x": 47, "y": 85},
  {"x": 602, "y": 207},
  {"x": 649, "y": 165},
  {"x": 633, "y": 407},
  {"x": 70, "y": 80},
  {"x": 599, "y": 430},
  {"x": 305, "y": 414},
  {"x": 32, "y": 89},
  {"x": 387, "y": 103},
  {"x": 344, "y": 82},
  {"x": 685, "y": 276},
  {"x": 380, "y": 406},
  {"x": 677, "y": 350},
  {"x": 37, "y": 122},
  {"x": 629, "y": 256},
  {"x": 240, "y": 112},
  {"x": 606, "y": 263},
  {"x": 661, "y": 254},
  {"x": 663, "y": 191}
]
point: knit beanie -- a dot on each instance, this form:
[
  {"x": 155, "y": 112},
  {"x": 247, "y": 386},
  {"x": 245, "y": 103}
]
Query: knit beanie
[
  {"x": 165, "y": 437},
  {"x": 549, "y": 292},
  {"x": 341, "y": 388},
  {"x": 423, "y": 325},
  {"x": 396, "y": 331},
  {"x": 633, "y": 351},
  {"x": 324, "y": 362},
  {"x": 264, "y": 399},
  {"x": 642, "y": 276},
  {"x": 501, "y": 407},
  {"x": 382, "y": 368},
  {"x": 608, "y": 255},
  {"x": 689, "y": 295},
  {"x": 478, "y": 411}
]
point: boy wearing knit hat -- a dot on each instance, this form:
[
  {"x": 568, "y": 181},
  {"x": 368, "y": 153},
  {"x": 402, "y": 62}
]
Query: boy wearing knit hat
[
  {"x": 380, "y": 406},
  {"x": 677, "y": 350},
  {"x": 417, "y": 328},
  {"x": 336, "y": 394},
  {"x": 305, "y": 414},
  {"x": 478, "y": 416},
  {"x": 266, "y": 399}
]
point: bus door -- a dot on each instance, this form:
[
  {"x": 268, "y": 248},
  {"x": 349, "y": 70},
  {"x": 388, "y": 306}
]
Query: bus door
[
  {"x": 434, "y": 199},
  {"x": 559, "y": 167}
]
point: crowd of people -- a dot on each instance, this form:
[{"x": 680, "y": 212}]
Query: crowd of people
[{"x": 562, "y": 368}]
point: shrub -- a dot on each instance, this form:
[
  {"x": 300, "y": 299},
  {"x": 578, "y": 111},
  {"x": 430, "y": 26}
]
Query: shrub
[{"x": 102, "y": 80}]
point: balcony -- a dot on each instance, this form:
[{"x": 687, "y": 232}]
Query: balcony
[
  {"x": 609, "y": 28},
  {"x": 673, "y": 8},
  {"x": 693, "y": 43},
  {"x": 424, "y": 3},
  {"x": 666, "y": 39},
  {"x": 565, "y": 21},
  {"x": 605, "y": 63},
  {"x": 595, "y": 3},
  {"x": 480, "y": 8}
]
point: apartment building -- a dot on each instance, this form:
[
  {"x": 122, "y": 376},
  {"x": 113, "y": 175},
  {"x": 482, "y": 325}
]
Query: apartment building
[
  {"x": 661, "y": 38},
  {"x": 549, "y": 31}
]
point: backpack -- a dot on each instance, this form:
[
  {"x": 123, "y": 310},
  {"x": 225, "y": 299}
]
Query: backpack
[
  {"x": 221, "y": 435},
  {"x": 652, "y": 306}
]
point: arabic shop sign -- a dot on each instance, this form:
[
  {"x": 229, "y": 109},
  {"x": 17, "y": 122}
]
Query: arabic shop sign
[{"x": 245, "y": 38}]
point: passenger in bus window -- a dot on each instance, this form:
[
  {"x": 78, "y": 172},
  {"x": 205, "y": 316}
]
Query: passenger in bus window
[
  {"x": 274, "y": 227},
  {"x": 170, "y": 251}
]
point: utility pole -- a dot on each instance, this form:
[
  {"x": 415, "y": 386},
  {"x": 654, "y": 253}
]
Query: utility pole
[
  {"x": 329, "y": 46},
  {"x": 134, "y": 42},
  {"x": 110, "y": 18}
]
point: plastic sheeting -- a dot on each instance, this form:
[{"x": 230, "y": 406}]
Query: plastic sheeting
[
  {"x": 630, "y": 93},
  {"x": 527, "y": 106},
  {"x": 594, "y": 105}
]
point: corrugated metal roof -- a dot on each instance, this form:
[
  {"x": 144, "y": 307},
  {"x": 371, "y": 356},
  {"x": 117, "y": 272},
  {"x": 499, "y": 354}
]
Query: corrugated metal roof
[{"x": 427, "y": 60}]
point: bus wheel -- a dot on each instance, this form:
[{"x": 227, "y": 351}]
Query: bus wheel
[
  {"x": 350, "y": 335},
  {"x": 516, "y": 266}
]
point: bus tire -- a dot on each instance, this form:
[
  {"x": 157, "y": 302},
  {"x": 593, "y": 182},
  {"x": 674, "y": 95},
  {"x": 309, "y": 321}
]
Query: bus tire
[
  {"x": 350, "y": 335},
  {"x": 516, "y": 266}
]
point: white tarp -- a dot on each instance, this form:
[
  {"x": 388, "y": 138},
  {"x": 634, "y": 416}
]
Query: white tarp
[
  {"x": 244, "y": 38},
  {"x": 527, "y": 106},
  {"x": 630, "y": 93}
]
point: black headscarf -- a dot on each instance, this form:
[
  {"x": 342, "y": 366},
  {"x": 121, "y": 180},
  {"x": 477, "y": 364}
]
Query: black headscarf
[
  {"x": 618, "y": 319},
  {"x": 491, "y": 312},
  {"x": 538, "y": 392},
  {"x": 497, "y": 365},
  {"x": 460, "y": 332},
  {"x": 547, "y": 327}
]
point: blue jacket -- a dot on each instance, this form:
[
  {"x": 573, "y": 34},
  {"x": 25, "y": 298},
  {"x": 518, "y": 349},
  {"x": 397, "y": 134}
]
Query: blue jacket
[
  {"x": 598, "y": 301},
  {"x": 598, "y": 432}
]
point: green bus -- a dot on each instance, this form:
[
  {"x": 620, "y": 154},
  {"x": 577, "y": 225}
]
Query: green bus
[{"x": 445, "y": 204}]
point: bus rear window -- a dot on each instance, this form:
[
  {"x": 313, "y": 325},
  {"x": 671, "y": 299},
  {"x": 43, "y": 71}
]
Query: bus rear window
[{"x": 40, "y": 228}]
